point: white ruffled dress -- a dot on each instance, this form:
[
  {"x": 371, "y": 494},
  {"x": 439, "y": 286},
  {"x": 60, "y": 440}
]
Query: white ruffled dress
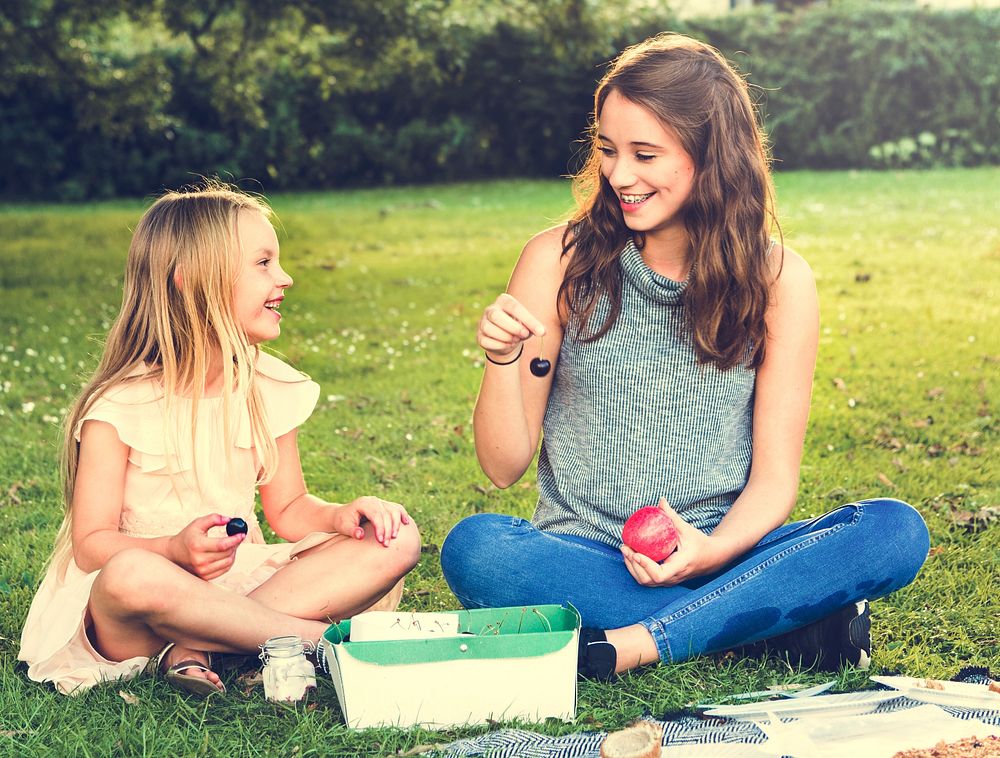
[{"x": 163, "y": 493}]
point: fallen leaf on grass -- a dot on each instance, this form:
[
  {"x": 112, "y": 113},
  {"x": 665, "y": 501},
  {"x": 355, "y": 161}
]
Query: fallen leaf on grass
[
  {"x": 12, "y": 496},
  {"x": 128, "y": 697},
  {"x": 898, "y": 463},
  {"x": 839, "y": 383},
  {"x": 251, "y": 678},
  {"x": 936, "y": 550},
  {"x": 885, "y": 438},
  {"x": 971, "y": 521},
  {"x": 935, "y": 392},
  {"x": 886, "y": 480},
  {"x": 964, "y": 448}
]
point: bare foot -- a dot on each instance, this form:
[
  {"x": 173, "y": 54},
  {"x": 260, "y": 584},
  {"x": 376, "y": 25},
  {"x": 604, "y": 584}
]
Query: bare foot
[{"x": 199, "y": 668}]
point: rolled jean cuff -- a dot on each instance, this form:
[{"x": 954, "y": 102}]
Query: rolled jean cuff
[{"x": 655, "y": 628}]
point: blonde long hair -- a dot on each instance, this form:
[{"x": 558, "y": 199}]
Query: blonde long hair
[{"x": 177, "y": 307}]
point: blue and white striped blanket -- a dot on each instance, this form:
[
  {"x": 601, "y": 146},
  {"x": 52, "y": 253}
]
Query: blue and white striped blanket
[{"x": 508, "y": 743}]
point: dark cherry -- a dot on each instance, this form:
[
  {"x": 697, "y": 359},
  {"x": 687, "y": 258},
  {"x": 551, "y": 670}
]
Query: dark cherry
[
  {"x": 539, "y": 366},
  {"x": 236, "y": 526}
]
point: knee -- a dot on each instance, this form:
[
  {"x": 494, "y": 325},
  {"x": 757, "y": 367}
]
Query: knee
[
  {"x": 902, "y": 525},
  {"x": 134, "y": 581},
  {"x": 464, "y": 544},
  {"x": 405, "y": 549},
  {"x": 395, "y": 561}
]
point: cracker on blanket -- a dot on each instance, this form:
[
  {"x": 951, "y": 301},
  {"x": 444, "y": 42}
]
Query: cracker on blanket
[{"x": 970, "y": 747}]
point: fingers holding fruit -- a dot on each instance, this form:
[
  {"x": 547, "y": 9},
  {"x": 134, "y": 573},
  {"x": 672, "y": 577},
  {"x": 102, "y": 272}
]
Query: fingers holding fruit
[
  {"x": 205, "y": 557},
  {"x": 504, "y": 325},
  {"x": 661, "y": 549}
]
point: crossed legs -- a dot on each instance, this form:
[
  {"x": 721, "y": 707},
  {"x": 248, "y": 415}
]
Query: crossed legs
[
  {"x": 799, "y": 573},
  {"x": 140, "y": 600}
]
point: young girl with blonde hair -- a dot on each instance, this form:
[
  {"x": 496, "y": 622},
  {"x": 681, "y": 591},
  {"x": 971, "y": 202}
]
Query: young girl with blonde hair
[
  {"x": 682, "y": 342},
  {"x": 183, "y": 422}
]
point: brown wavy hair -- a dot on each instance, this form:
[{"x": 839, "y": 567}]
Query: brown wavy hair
[{"x": 728, "y": 217}]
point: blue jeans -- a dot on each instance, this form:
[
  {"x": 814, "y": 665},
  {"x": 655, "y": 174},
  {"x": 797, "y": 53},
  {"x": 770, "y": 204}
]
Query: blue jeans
[{"x": 797, "y": 574}]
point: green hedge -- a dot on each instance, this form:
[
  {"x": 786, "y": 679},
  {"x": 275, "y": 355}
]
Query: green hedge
[{"x": 470, "y": 97}]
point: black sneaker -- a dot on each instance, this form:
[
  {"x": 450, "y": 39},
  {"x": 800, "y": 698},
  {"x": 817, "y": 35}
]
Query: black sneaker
[
  {"x": 841, "y": 638},
  {"x": 596, "y": 657}
]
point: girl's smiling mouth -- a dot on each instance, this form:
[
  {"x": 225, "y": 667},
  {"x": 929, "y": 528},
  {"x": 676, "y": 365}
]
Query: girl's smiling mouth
[
  {"x": 631, "y": 203},
  {"x": 273, "y": 305}
]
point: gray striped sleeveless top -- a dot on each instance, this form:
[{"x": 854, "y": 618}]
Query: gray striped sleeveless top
[{"x": 632, "y": 417}]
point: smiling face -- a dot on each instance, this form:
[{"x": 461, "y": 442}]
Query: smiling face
[
  {"x": 645, "y": 164},
  {"x": 261, "y": 282}
]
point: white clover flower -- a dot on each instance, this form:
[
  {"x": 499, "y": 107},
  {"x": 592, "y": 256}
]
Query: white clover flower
[{"x": 27, "y": 407}]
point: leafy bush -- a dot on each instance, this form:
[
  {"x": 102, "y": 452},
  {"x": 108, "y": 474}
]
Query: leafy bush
[
  {"x": 846, "y": 79},
  {"x": 428, "y": 91}
]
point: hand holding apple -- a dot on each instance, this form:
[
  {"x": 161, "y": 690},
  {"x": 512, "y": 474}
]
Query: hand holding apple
[
  {"x": 696, "y": 553},
  {"x": 652, "y": 532}
]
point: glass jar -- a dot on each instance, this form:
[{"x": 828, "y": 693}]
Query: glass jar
[{"x": 287, "y": 673}]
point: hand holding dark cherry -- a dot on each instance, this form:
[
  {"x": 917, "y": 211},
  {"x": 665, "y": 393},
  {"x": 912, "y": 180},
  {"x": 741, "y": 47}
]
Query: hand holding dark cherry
[
  {"x": 503, "y": 329},
  {"x": 236, "y": 526}
]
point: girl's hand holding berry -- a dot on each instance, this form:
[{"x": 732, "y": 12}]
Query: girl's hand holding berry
[
  {"x": 696, "y": 554},
  {"x": 505, "y": 324},
  {"x": 206, "y": 557},
  {"x": 385, "y": 517}
]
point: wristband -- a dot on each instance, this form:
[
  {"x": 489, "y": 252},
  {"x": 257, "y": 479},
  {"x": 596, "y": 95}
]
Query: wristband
[{"x": 506, "y": 363}]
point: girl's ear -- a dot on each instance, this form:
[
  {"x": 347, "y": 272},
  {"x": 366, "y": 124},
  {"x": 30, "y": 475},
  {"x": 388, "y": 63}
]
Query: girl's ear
[{"x": 178, "y": 279}]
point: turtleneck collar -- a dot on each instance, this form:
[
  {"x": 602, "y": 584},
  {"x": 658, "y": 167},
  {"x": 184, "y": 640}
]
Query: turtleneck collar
[{"x": 656, "y": 287}]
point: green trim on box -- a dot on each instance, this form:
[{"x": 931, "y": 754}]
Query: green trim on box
[{"x": 514, "y": 632}]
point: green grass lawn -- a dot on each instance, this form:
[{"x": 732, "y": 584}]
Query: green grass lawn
[{"x": 389, "y": 286}]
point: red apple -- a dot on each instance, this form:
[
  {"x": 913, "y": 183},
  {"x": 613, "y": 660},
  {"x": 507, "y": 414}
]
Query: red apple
[{"x": 651, "y": 532}]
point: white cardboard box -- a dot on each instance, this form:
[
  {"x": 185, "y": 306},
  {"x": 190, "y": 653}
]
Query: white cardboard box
[{"x": 496, "y": 663}]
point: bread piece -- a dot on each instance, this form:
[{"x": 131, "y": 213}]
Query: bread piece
[
  {"x": 641, "y": 740},
  {"x": 995, "y": 687},
  {"x": 970, "y": 747},
  {"x": 932, "y": 684}
]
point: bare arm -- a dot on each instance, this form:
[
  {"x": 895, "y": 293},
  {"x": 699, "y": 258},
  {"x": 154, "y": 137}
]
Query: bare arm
[
  {"x": 98, "y": 495},
  {"x": 293, "y": 513},
  {"x": 780, "y": 413},
  {"x": 511, "y": 403}
]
